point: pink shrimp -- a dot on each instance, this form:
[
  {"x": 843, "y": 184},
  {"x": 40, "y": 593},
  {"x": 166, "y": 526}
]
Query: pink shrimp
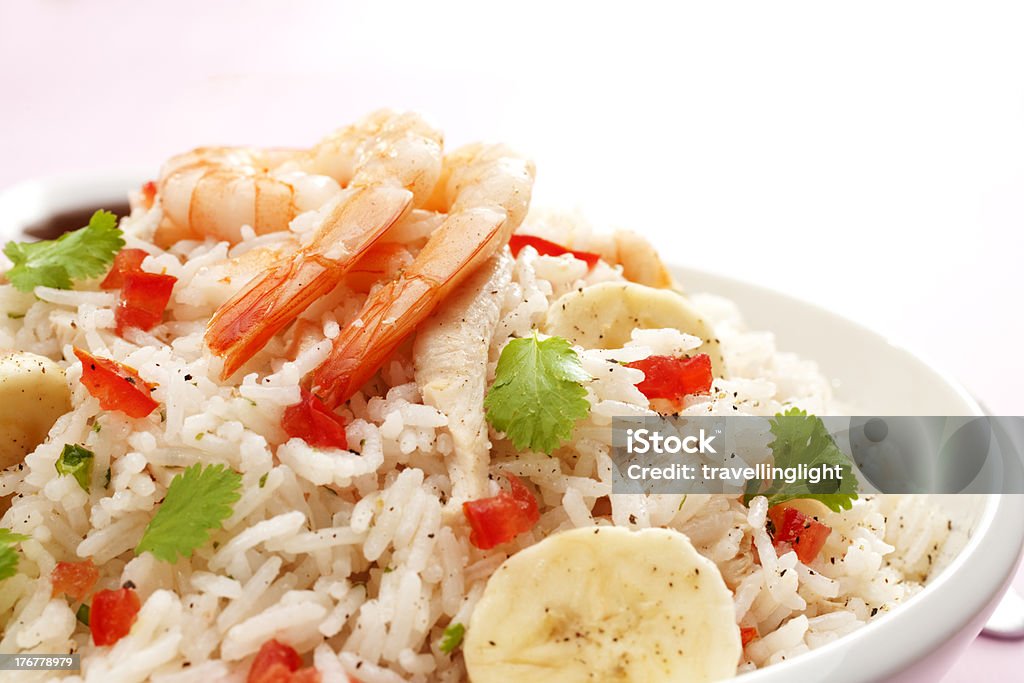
[
  {"x": 388, "y": 163},
  {"x": 486, "y": 191},
  {"x": 214, "y": 191}
]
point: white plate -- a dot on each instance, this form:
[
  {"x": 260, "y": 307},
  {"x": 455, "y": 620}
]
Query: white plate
[
  {"x": 919, "y": 640},
  {"x": 872, "y": 375}
]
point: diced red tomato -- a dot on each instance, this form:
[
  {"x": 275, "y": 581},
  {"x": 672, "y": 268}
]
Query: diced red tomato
[
  {"x": 149, "y": 193},
  {"x": 501, "y": 518},
  {"x": 275, "y": 673},
  {"x": 672, "y": 378},
  {"x": 306, "y": 675},
  {"x": 747, "y": 634},
  {"x": 116, "y": 386},
  {"x": 311, "y": 421},
  {"x": 126, "y": 261},
  {"x": 112, "y": 615},
  {"x": 803, "y": 534},
  {"x": 547, "y": 248},
  {"x": 279, "y": 663},
  {"x": 143, "y": 299},
  {"x": 74, "y": 579},
  {"x": 274, "y": 662}
]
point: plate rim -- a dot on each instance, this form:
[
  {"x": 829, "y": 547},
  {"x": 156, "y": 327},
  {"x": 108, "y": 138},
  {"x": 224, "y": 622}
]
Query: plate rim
[{"x": 991, "y": 533}]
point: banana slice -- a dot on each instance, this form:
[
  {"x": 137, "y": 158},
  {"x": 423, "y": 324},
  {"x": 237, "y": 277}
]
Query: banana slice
[
  {"x": 33, "y": 395},
  {"x": 604, "y": 315},
  {"x": 604, "y": 604}
]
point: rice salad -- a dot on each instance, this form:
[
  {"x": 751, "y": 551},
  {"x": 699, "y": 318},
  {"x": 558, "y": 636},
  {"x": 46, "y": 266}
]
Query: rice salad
[{"x": 236, "y": 516}]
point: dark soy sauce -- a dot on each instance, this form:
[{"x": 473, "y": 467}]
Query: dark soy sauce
[{"x": 55, "y": 225}]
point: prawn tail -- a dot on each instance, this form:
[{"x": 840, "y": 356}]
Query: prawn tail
[
  {"x": 363, "y": 346},
  {"x": 393, "y": 312},
  {"x": 243, "y": 326}
]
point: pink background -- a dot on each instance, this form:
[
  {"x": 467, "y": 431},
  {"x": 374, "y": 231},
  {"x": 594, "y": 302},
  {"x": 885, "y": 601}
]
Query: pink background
[{"x": 869, "y": 158}]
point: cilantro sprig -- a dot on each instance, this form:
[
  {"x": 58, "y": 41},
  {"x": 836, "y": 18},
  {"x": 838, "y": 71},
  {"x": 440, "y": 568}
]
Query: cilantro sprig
[
  {"x": 198, "y": 500},
  {"x": 538, "y": 393},
  {"x": 452, "y": 637},
  {"x": 76, "y": 461},
  {"x": 8, "y": 555},
  {"x": 77, "y": 255},
  {"x": 802, "y": 438}
]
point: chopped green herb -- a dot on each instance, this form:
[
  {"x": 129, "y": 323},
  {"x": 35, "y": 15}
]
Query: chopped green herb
[
  {"x": 388, "y": 570},
  {"x": 8, "y": 555},
  {"x": 78, "y": 255},
  {"x": 106, "y": 479},
  {"x": 200, "y": 435},
  {"x": 802, "y": 438},
  {"x": 96, "y": 426},
  {"x": 681, "y": 503},
  {"x": 263, "y": 479},
  {"x": 452, "y": 637},
  {"x": 538, "y": 393},
  {"x": 15, "y": 316},
  {"x": 83, "y": 614},
  {"x": 198, "y": 500},
  {"x": 76, "y": 461}
]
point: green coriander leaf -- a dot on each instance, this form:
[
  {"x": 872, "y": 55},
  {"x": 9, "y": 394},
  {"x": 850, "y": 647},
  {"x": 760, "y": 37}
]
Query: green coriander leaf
[
  {"x": 198, "y": 500},
  {"x": 263, "y": 479},
  {"x": 8, "y": 555},
  {"x": 83, "y": 613},
  {"x": 76, "y": 461},
  {"x": 802, "y": 438},
  {"x": 452, "y": 637},
  {"x": 538, "y": 393},
  {"x": 84, "y": 253}
]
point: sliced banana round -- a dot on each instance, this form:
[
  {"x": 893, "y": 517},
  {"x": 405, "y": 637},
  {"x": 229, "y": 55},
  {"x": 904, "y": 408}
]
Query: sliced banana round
[
  {"x": 33, "y": 394},
  {"x": 604, "y": 604},
  {"x": 604, "y": 315}
]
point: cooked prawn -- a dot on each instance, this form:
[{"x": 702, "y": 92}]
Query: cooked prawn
[
  {"x": 639, "y": 260},
  {"x": 486, "y": 191},
  {"x": 396, "y": 161},
  {"x": 214, "y": 191}
]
